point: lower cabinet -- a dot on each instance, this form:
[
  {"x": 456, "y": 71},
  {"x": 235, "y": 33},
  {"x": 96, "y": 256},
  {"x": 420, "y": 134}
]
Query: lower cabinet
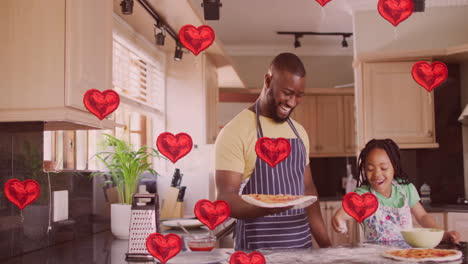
[{"x": 458, "y": 222}]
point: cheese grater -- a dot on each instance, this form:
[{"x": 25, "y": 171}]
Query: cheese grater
[{"x": 144, "y": 221}]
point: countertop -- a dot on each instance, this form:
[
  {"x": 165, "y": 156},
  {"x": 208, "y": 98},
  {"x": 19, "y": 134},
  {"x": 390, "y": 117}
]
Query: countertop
[{"x": 104, "y": 248}]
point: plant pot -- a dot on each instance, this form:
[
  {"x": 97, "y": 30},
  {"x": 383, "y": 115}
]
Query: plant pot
[{"x": 120, "y": 220}]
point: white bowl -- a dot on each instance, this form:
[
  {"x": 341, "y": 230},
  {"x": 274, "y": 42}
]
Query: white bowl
[{"x": 423, "y": 237}]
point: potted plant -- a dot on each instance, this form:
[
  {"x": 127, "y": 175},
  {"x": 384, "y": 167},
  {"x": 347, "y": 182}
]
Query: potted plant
[{"x": 125, "y": 167}]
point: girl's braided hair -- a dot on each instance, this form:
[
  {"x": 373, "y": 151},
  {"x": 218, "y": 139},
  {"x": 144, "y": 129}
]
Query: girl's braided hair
[{"x": 393, "y": 152}]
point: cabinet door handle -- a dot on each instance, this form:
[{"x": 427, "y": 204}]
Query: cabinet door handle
[{"x": 429, "y": 133}]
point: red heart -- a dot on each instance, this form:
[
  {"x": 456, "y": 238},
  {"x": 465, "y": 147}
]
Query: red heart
[
  {"x": 240, "y": 257},
  {"x": 273, "y": 151},
  {"x": 323, "y": 2},
  {"x": 429, "y": 75},
  {"x": 22, "y": 193},
  {"x": 395, "y": 11},
  {"x": 174, "y": 147},
  {"x": 163, "y": 247},
  {"x": 360, "y": 206},
  {"x": 101, "y": 104},
  {"x": 196, "y": 39},
  {"x": 212, "y": 214}
]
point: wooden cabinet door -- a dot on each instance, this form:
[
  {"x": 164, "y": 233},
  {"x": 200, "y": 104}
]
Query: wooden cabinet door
[
  {"x": 349, "y": 124},
  {"x": 395, "y": 106},
  {"x": 88, "y": 49},
  {"x": 305, "y": 113},
  {"x": 330, "y": 125},
  {"x": 458, "y": 222}
]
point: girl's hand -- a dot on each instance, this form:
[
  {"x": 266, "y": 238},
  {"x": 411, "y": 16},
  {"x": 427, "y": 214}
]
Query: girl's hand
[
  {"x": 339, "y": 224},
  {"x": 452, "y": 237}
]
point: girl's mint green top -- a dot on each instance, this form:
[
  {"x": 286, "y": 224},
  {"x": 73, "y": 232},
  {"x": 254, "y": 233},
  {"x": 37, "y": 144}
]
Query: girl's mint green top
[{"x": 396, "y": 200}]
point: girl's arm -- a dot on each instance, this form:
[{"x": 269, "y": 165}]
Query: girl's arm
[
  {"x": 426, "y": 220},
  {"x": 339, "y": 221}
]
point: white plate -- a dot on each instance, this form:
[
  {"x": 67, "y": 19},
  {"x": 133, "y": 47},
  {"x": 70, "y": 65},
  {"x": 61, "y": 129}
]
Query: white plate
[
  {"x": 297, "y": 204},
  {"x": 187, "y": 223},
  {"x": 201, "y": 257}
]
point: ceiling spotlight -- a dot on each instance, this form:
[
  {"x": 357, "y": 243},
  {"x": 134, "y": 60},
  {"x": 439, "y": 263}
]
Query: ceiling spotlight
[
  {"x": 127, "y": 7},
  {"x": 178, "y": 53},
  {"x": 211, "y": 9},
  {"x": 344, "y": 43},
  {"x": 160, "y": 37},
  {"x": 297, "y": 43}
]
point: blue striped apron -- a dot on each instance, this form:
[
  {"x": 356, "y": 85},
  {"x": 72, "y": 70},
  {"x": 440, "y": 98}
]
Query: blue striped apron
[{"x": 288, "y": 229}]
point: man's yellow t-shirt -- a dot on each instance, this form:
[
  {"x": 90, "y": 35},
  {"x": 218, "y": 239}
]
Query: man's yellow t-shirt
[{"x": 235, "y": 145}]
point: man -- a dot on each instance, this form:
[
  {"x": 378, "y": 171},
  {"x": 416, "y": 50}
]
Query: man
[{"x": 240, "y": 171}]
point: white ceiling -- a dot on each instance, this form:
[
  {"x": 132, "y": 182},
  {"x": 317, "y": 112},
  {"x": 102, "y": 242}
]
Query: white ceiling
[{"x": 248, "y": 27}]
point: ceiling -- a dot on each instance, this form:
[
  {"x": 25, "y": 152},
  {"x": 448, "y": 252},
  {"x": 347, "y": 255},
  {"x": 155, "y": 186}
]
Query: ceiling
[{"x": 248, "y": 27}]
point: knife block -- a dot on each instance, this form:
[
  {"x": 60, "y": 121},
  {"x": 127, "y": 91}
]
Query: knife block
[{"x": 169, "y": 205}]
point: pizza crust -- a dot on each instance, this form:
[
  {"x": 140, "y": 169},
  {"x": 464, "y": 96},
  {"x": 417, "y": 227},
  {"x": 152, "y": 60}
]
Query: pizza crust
[
  {"x": 299, "y": 203},
  {"x": 456, "y": 256}
]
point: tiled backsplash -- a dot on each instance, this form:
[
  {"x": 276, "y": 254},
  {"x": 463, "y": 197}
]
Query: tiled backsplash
[{"x": 21, "y": 158}]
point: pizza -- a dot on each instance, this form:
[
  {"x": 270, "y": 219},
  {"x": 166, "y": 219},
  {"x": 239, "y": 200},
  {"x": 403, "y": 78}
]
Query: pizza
[
  {"x": 423, "y": 254},
  {"x": 279, "y": 200}
]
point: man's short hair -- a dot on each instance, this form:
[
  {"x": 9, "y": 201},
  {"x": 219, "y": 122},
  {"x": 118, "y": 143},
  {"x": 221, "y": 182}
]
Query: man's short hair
[{"x": 288, "y": 62}]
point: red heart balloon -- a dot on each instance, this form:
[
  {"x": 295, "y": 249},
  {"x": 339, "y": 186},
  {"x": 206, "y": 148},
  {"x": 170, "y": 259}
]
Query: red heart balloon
[
  {"x": 174, "y": 147},
  {"x": 240, "y": 257},
  {"x": 101, "y": 104},
  {"x": 323, "y": 2},
  {"x": 273, "y": 151},
  {"x": 429, "y": 75},
  {"x": 163, "y": 247},
  {"x": 360, "y": 206},
  {"x": 21, "y": 193},
  {"x": 212, "y": 214},
  {"x": 395, "y": 11},
  {"x": 196, "y": 39}
]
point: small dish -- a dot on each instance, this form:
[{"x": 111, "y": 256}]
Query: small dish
[{"x": 201, "y": 242}]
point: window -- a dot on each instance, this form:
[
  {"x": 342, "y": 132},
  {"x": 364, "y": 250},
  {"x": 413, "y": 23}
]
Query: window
[{"x": 138, "y": 75}]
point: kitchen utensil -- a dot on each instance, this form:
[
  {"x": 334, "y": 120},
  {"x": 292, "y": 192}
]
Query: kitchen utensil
[{"x": 143, "y": 222}]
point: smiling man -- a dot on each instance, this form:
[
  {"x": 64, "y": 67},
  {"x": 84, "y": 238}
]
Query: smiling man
[{"x": 239, "y": 170}]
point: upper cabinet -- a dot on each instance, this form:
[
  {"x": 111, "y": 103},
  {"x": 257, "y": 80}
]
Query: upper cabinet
[
  {"x": 393, "y": 105},
  {"x": 51, "y": 55},
  {"x": 328, "y": 117}
]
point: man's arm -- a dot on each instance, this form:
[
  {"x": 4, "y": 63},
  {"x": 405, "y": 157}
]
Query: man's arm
[
  {"x": 228, "y": 185},
  {"x": 317, "y": 226}
]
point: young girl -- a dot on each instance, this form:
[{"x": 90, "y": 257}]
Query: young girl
[{"x": 380, "y": 173}]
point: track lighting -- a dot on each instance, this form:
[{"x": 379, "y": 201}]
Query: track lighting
[
  {"x": 211, "y": 9},
  {"x": 297, "y": 43},
  {"x": 178, "y": 53},
  {"x": 161, "y": 36},
  {"x": 127, "y": 7},
  {"x": 300, "y": 34},
  {"x": 344, "y": 43}
]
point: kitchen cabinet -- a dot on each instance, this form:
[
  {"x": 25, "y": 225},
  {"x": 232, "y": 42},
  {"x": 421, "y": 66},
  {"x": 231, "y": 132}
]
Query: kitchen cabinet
[
  {"x": 459, "y": 222},
  {"x": 52, "y": 55},
  {"x": 212, "y": 99},
  {"x": 393, "y": 105},
  {"x": 329, "y": 122}
]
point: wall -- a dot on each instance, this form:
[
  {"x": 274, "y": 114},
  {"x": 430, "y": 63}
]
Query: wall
[
  {"x": 21, "y": 158},
  {"x": 322, "y": 71},
  {"x": 435, "y": 28}
]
